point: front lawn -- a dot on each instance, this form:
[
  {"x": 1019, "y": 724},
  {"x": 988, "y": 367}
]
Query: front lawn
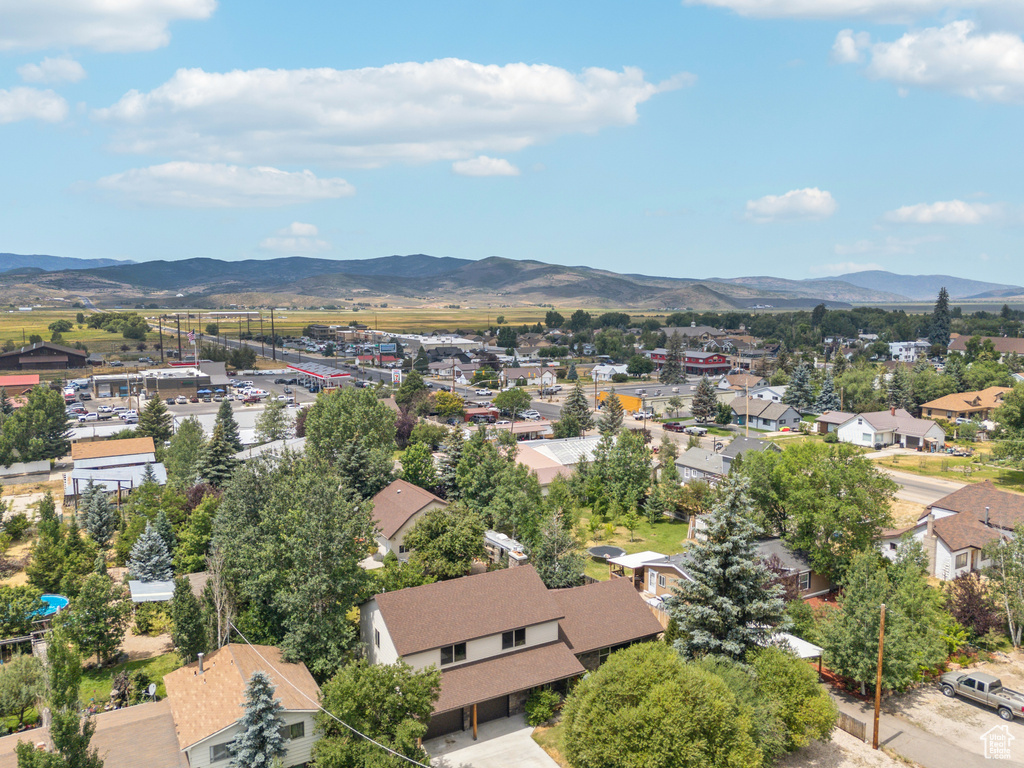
[
  {"x": 667, "y": 536},
  {"x": 97, "y": 683},
  {"x": 961, "y": 469},
  {"x": 550, "y": 740}
]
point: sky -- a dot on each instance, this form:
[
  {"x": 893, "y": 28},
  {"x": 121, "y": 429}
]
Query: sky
[{"x": 685, "y": 138}]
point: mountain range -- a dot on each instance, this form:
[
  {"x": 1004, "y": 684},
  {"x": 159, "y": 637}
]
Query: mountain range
[{"x": 422, "y": 280}]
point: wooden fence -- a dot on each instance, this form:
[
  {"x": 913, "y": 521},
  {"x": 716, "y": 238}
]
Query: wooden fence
[{"x": 853, "y": 726}]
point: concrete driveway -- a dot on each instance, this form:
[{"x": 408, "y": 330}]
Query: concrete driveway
[{"x": 502, "y": 743}]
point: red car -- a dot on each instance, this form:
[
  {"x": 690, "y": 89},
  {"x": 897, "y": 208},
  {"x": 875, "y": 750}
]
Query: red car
[
  {"x": 673, "y": 426},
  {"x": 250, "y": 400}
]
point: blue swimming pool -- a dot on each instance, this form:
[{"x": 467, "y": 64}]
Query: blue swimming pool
[{"x": 54, "y": 603}]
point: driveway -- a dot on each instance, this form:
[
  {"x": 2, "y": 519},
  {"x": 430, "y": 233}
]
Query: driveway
[{"x": 502, "y": 743}]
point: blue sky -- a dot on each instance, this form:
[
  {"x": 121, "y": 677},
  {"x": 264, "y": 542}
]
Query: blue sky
[{"x": 704, "y": 138}]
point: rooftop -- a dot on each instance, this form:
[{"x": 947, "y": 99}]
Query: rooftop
[
  {"x": 983, "y": 399},
  {"x": 109, "y": 448},
  {"x": 394, "y": 506},
  {"x": 604, "y": 614}
]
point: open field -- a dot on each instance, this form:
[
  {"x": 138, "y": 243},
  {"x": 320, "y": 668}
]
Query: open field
[{"x": 959, "y": 469}]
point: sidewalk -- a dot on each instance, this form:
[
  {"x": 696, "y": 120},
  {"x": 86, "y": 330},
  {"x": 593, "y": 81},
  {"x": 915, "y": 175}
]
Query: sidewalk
[{"x": 909, "y": 741}]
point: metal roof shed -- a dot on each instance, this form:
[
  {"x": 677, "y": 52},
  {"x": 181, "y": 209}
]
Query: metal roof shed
[{"x": 151, "y": 591}]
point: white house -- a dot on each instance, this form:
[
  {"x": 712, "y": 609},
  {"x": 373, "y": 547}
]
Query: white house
[
  {"x": 893, "y": 427},
  {"x": 765, "y": 414},
  {"x": 775, "y": 394},
  {"x": 207, "y": 695},
  {"x": 395, "y": 510},
  {"x": 605, "y": 371},
  {"x": 908, "y": 351},
  {"x": 957, "y": 528},
  {"x": 531, "y": 375}
]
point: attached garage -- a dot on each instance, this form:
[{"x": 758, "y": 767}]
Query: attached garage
[
  {"x": 492, "y": 709},
  {"x": 444, "y": 722}
]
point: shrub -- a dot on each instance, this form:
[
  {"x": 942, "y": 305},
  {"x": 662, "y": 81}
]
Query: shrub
[
  {"x": 831, "y": 437},
  {"x": 541, "y": 706},
  {"x": 16, "y": 525},
  {"x": 151, "y": 619},
  {"x": 620, "y": 378}
]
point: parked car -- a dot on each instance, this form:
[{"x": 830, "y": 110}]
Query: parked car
[
  {"x": 194, "y": 399},
  {"x": 116, "y": 364},
  {"x": 169, "y": 401},
  {"x": 118, "y": 409},
  {"x": 985, "y": 689},
  {"x": 287, "y": 390},
  {"x": 89, "y": 417},
  {"x": 641, "y": 415},
  {"x": 699, "y": 431},
  {"x": 280, "y": 381},
  {"x": 251, "y": 400},
  {"x": 105, "y": 409},
  {"x": 484, "y": 392},
  {"x": 181, "y": 399},
  {"x": 83, "y": 395},
  {"x": 531, "y": 415},
  {"x": 131, "y": 420},
  {"x": 133, "y": 414},
  {"x": 673, "y": 426}
]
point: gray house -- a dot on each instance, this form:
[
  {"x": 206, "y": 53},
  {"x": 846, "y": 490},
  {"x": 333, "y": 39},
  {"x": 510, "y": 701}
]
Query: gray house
[{"x": 764, "y": 414}]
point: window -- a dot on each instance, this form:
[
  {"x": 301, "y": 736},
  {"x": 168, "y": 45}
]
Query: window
[
  {"x": 661, "y": 580},
  {"x": 513, "y": 639},
  {"x": 805, "y": 581},
  {"x": 293, "y": 731},
  {"x": 603, "y": 654},
  {"x": 453, "y": 653},
  {"x": 969, "y": 683},
  {"x": 376, "y": 637},
  {"x": 402, "y": 549},
  {"x": 866, "y": 437},
  {"x": 961, "y": 560},
  {"x": 219, "y": 752},
  {"x": 892, "y": 546}
]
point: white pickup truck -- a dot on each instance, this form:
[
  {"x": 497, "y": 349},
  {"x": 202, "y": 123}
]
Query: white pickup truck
[{"x": 984, "y": 689}]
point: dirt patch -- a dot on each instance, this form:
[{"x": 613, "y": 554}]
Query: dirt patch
[
  {"x": 145, "y": 647},
  {"x": 905, "y": 513},
  {"x": 843, "y": 751}
]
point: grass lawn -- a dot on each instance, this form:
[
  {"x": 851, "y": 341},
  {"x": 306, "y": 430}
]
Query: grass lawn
[
  {"x": 96, "y": 684},
  {"x": 667, "y": 536},
  {"x": 961, "y": 469},
  {"x": 11, "y": 722},
  {"x": 550, "y": 740}
]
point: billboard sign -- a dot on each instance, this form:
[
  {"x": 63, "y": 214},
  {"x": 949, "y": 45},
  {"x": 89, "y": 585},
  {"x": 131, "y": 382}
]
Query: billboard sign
[
  {"x": 396, "y": 376},
  {"x": 390, "y": 347}
]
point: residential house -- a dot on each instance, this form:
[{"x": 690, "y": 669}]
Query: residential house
[
  {"x": 531, "y": 376},
  {"x": 44, "y": 355},
  {"x": 892, "y": 427},
  {"x": 795, "y": 567},
  {"x": 966, "y": 405},
  {"x": 768, "y": 392},
  {"x": 605, "y": 371},
  {"x": 740, "y": 446},
  {"x": 19, "y": 383},
  {"x": 710, "y": 364},
  {"x": 206, "y": 700},
  {"x": 741, "y": 382},
  {"x": 1002, "y": 344},
  {"x": 908, "y": 351},
  {"x": 700, "y": 464},
  {"x": 549, "y": 459},
  {"x": 503, "y": 548},
  {"x": 395, "y": 510},
  {"x": 956, "y": 529},
  {"x": 662, "y": 575},
  {"x": 764, "y": 414},
  {"x": 695, "y": 333},
  {"x": 495, "y": 637},
  {"x": 830, "y": 421}
]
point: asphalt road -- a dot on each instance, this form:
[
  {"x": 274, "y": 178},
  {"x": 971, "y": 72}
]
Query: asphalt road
[{"x": 919, "y": 489}]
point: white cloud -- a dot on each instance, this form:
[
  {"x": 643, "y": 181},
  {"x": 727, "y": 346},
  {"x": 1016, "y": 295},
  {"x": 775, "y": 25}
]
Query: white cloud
[
  {"x": 810, "y": 203},
  {"x": 447, "y": 109},
  {"x": 953, "y": 58},
  {"x": 216, "y": 185},
  {"x": 889, "y": 246},
  {"x": 60, "y": 70},
  {"x": 946, "y": 212},
  {"x": 103, "y": 25},
  {"x": 27, "y": 103},
  {"x": 844, "y": 268},
  {"x": 880, "y": 10},
  {"x": 849, "y": 46},
  {"x": 297, "y": 237},
  {"x": 485, "y": 166}
]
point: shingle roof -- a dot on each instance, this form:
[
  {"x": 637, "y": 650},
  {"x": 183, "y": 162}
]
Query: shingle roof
[
  {"x": 740, "y": 445},
  {"x": 900, "y": 422},
  {"x": 1002, "y": 344},
  {"x": 983, "y": 399},
  {"x": 604, "y": 614},
  {"x": 967, "y": 527},
  {"x": 45, "y": 345},
  {"x": 501, "y": 675},
  {"x": 791, "y": 559},
  {"x": 394, "y": 506},
  {"x": 447, "y": 612},
  {"x": 769, "y": 410},
  {"x": 835, "y": 417},
  {"x": 207, "y": 703},
  {"x": 741, "y": 380},
  {"x": 125, "y": 738},
  {"x": 700, "y": 459},
  {"x": 108, "y": 448}
]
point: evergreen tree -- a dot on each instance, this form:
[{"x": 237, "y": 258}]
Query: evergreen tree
[
  {"x": 956, "y": 369},
  {"x": 411, "y": 388},
  {"x": 218, "y": 459},
  {"x": 827, "y": 400},
  {"x": 783, "y": 359},
  {"x": 731, "y": 605},
  {"x": 451, "y": 455},
  {"x": 155, "y": 421},
  {"x": 421, "y": 362},
  {"x": 571, "y": 374},
  {"x": 188, "y": 633},
  {"x": 938, "y": 333},
  {"x": 148, "y": 474},
  {"x": 418, "y": 466},
  {"x": 578, "y": 408},
  {"x": 272, "y": 424},
  {"x": 672, "y": 371},
  {"x": 259, "y": 739},
  {"x": 184, "y": 454},
  {"x": 899, "y": 393},
  {"x": 150, "y": 560},
  {"x": 165, "y": 530},
  {"x": 194, "y": 544},
  {"x": 364, "y": 469},
  {"x": 705, "y": 401},
  {"x": 229, "y": 427},
  {"x": 6, "y": 406},
  {"x": 611, "y": 421},
  {"x": 557, "y": 554},
  {"x": 799, "y": 392},
  {"x": 99, "y": 517},
  {"x": 839, "y": 363}
]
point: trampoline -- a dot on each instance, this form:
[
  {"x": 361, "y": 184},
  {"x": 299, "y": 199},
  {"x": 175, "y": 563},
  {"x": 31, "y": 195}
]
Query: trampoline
[{"x": 606, "y": 552}]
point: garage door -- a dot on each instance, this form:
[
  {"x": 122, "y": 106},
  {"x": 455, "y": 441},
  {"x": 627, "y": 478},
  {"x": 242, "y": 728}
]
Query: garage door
[
  {"x": 912, "y": 442},
  {"x": 443, "y": 723},
  {"x": 492, "y": 710}
]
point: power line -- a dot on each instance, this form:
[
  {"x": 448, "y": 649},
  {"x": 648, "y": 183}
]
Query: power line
[{"x": 319, "y": 707}]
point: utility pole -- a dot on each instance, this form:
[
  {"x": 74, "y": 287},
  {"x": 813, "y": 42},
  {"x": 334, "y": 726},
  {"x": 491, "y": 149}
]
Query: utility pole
[
  {"x": 162, "y": 339},
  {"x": 263, "y": 341},
  {"x": 878, "y": 680},
  {"x": 177, "y": 318},
  {"x": 273, "y": 335}
]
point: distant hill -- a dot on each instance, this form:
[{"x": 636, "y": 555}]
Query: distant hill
[
  {"x": 11, "y": 261},
  {"x": 926, "y": 287}
]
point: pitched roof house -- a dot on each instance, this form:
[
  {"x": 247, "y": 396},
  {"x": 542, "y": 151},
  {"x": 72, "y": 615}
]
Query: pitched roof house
[
  {"x": 1002, "y": 344},
  {"x": 741, "y": 381},
  {"x": 966, "y": 405},
  {"x": 892, "y": 427},
  {"x": 206, "y": 700},
  {"x": 764, "y": 414},
  {"x": 495, "y": 636},
  {"x": 42, "y": 355},
  {"x": 396, "y": 509}
]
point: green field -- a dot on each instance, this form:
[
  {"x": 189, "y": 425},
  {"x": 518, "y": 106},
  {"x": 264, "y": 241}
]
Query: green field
[{"x": 666, "y": 536}]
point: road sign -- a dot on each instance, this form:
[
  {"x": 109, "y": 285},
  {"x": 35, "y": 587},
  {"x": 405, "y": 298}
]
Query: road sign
[{"x": 396, "y": 376}]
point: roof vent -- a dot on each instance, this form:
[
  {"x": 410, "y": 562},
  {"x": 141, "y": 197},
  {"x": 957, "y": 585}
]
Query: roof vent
[
  {"x": 199, "y": 656},
  {"x": 398, "y": 490}
]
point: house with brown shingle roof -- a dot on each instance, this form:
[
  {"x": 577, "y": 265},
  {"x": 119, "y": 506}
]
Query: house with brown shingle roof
[
  {"x": 955, "y": 530},
  {"x": 497, "y": 636},
  {"x": 892, "y": 427},
  {"x": 741, "y": 381},
  {"x": 966, "y": 405},
  {"x": 114, "y": 453},
  {"x": 395, "y": 510},
  {"x": 1002, "y": 344},
  {"x": 764, "y": 414},
  {"x": 206, "y": 699}
]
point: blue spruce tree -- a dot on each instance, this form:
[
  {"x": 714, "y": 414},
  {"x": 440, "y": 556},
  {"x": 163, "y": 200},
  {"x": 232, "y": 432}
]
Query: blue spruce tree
[
  {"x": 259, "y": 741},
  {"x": 150, "y": 560}
]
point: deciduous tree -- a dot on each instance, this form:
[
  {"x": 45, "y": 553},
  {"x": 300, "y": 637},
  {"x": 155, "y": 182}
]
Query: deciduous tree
[{"x": 446, "y": 540}]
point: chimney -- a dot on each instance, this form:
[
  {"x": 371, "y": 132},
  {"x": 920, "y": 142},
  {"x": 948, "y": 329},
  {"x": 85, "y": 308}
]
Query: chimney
[
  {"x": 931, "y": 524},
  {"x": 986, "y": 516},
  {"x": 199, "y": 656},
  {"x": 892, "y": 411}
]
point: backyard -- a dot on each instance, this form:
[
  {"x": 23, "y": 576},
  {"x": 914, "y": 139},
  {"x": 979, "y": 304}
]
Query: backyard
[
  {"x": 666, "y": 536},
  {"x": 97, "y": 683}
]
